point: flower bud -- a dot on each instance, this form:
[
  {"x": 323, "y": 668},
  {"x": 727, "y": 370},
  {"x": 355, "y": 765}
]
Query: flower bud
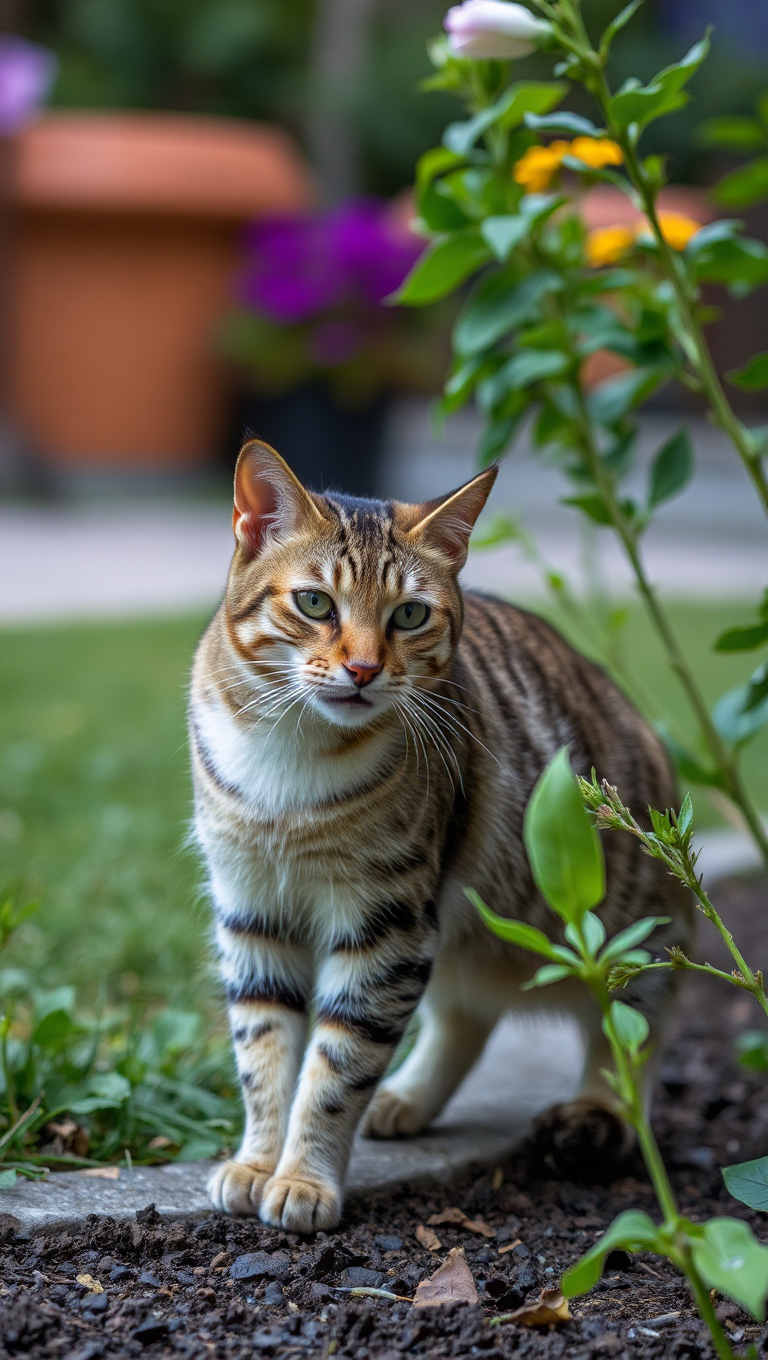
[{"x": 493, "y": 28}]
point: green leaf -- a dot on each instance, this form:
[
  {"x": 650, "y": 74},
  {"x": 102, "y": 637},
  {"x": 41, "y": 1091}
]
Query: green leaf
[
  {"x": 563, "y": 847},
  {"x": 7, "y": 1180},
  {"x": 534, "y": 96},
  {"x": 618, "y": 23},
  {"x": 642, "y": 104},
  {"x": 498, "y": 305},
  {"x": 730, "y": 1259},
  {"x": 496, "y": 437},
  {"x": 736, "y": 133},
  {"x": 631, "y": 1026},
  {"x": 439, "y": 212},
  {"x": 671, "y": 470},
  {"x": 515, "y": 932},
  {"x": 633, "y": 935},
  {"x": 742, "y": 639},
  {"x": 752, "y": 1048},
  {"x": 548, "y": 975},
  {"x": 442, "y": 268},
  {"x": 53, "y": 1030},
  {"x": 753, "y": 376},
  {"x": 611, "y": 401},
  {"x": 563, "y": 122},
  {"x": 631, "y": 1231},
  {"x": 748, "y": 1181},
  {"x": 736, "y": 723},
  {"x": 433, "y": 163},
  {"x": 593, "y": 506},
  {"x": 530, "y": 366},
  {"x": 685, "y": 817},
  {"x": 592, "y": 929},
  {"x": 740, "y": 262},
  {"x": 743, "y": 187},
  {"x": 105, "y": 1091},
  {"x": 757, "y": 688},
  {"x": 502, "y": 234}
]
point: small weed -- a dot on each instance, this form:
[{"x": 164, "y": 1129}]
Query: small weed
[{"x": 80, "y": 1088}]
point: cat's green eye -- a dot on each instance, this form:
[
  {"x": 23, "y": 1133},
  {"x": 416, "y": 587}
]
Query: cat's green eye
[
  {"x": 314, "y": 603},
  {"x": 410, "y": 615}
]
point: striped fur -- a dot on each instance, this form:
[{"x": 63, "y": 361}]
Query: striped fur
[{"x": 339, "y": 835}]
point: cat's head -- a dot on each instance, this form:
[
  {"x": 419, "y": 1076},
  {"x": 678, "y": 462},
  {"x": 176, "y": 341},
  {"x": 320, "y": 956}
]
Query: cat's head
[{"x": 343, "y": 603}]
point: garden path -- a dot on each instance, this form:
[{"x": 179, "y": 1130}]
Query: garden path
[{"x": 123, "y": 556}]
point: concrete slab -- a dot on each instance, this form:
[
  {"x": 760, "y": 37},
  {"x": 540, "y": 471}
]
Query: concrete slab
[
  {"x": 527, "y": 1065},
  {"x": 523, "y": 1069}
]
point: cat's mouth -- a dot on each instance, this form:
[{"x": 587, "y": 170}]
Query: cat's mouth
[{"x": 355, "y": 699}]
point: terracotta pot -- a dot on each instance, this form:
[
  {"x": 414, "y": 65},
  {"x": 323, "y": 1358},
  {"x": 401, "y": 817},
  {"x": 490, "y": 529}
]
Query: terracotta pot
[{"x": 125, "y": 244}]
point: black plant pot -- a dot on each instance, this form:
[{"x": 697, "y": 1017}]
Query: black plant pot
[{"x": 328, "y": 446}]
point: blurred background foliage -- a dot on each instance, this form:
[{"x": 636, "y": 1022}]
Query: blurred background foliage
[{"x": 259, "y": 59}]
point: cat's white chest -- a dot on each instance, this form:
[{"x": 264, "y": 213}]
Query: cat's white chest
[{"x": 276, "y": 767}]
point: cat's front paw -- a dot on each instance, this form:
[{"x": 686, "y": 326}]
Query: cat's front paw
[
  {"x": 582, "y": 1139},
  {"x": 301, "y": 1204},
  {"x": 392, "y": 1116},
  {"x": 237, "y": 1187}
]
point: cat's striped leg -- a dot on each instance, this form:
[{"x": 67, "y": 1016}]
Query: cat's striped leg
[
  {"x": 449, "y": 1043},
  {"x": 363, "y": 1007},
  {"x": 267, "y": 982}
]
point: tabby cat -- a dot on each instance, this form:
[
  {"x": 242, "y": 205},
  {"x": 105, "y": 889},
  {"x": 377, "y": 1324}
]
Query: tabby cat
[{"x": 365, "y": 737}]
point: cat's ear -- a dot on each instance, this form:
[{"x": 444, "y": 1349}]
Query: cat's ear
[
  {"x": 269, "y": 499},
  {"x": 447, "y": 522}
]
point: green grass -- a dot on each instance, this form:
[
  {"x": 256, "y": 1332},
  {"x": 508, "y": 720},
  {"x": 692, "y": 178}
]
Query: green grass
[
  {"x": 95, "y": 793},
  {"x": 94, "y": 774}
]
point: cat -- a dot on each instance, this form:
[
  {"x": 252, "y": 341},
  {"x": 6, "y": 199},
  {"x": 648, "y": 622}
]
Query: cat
[{"x": 365, "y": 737}]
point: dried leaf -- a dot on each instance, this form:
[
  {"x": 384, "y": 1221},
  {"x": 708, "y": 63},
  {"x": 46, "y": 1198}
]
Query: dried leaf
[
  {"x": 369, "y": 1292},
  {"x": 549, "y": 1309},
  {"x": 461, "y": 1220},
  {"x": 510, "y": 1246},
  {"x": 160, "y": 1142},
  {"x": 451, "y": 1283},
  {"x": 91, "y": 1284},
  {"x": 64, "y": 1129},
  {"x": 101, "y": 1173},
  {"x": 428, "y": 1238},
  {"x": 498, "y": 1178}
]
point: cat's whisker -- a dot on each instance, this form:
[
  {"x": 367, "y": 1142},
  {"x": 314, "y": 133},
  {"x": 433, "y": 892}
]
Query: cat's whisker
[
  {"x": 441, "y": 743},
  {"x": 452, "y": 717},
  {"x": 272, "y": 697}
]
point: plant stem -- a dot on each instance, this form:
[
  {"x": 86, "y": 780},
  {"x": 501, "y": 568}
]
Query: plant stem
[
  {"x": 654, "y": 1162},
  {"x": 718, "y": 750},
  {"x": 697, "y": 350},
  {"x": 704, "y": 1305},
  {"x": 699, "y": 354}
]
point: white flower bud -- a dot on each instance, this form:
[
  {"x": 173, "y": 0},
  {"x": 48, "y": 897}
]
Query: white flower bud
[{"x": 493, "y": 28}]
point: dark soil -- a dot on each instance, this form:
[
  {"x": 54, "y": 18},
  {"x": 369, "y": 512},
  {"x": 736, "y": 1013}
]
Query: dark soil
[{"x": 235, "y": 1289}]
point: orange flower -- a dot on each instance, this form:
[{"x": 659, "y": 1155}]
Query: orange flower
[
  {"x": 538, "y": 165},
  {"x": 606, "y": 245},
  {"x": 677, "y": 229},
  {"x": 596, "y": 151}
]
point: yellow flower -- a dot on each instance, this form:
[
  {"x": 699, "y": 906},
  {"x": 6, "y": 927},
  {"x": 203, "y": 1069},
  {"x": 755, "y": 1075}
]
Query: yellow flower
[
  {"x": 606, "y": 245},
  {"x": 538, "y": 165},
  {"x": 596, "y": 151},
  {"x": 677, "y": 229}
]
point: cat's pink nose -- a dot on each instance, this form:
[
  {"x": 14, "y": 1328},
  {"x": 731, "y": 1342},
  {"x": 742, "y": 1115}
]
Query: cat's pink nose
[{"x": 362, "y": 672}]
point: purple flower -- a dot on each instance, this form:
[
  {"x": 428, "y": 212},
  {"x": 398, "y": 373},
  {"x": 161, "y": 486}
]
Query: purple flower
[
  {"x": 302, "y": 268},
  {"x": 27, "y": 73},
  {"x": 373, "y": 254}
]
